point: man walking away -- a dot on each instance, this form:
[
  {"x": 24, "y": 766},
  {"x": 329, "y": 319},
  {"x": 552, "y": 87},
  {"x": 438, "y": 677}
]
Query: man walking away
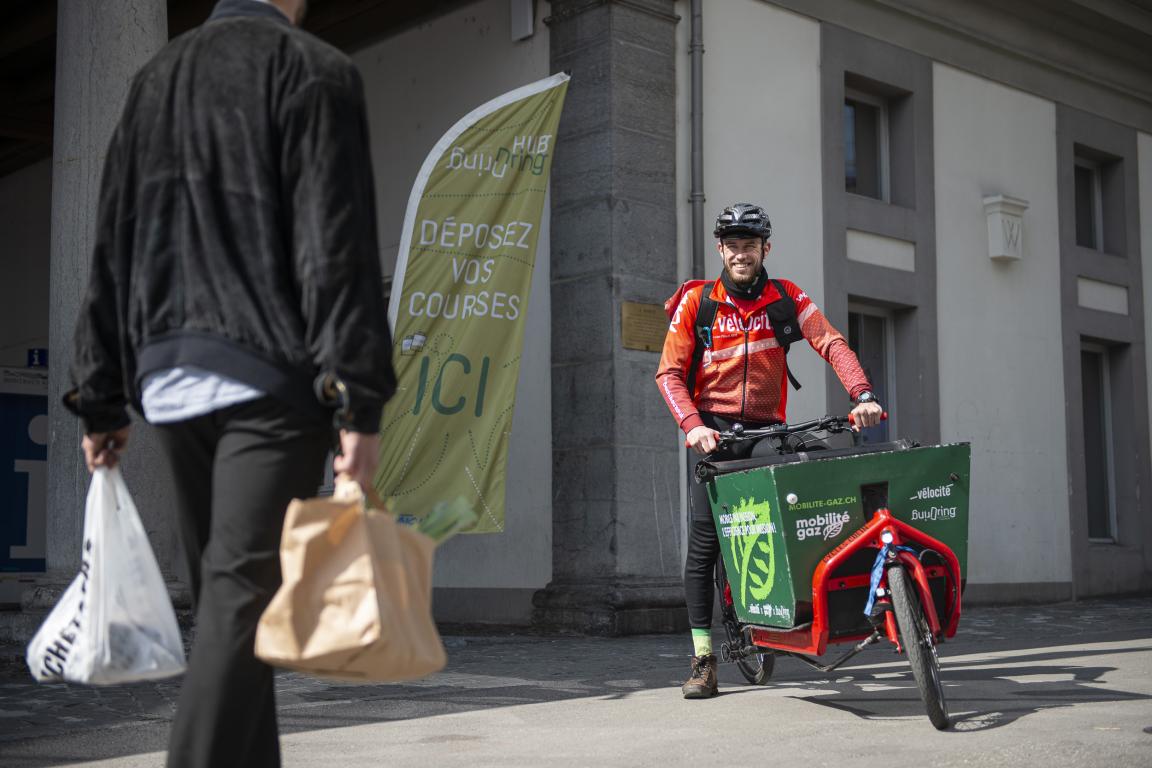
[{"x": 236, "y": 275}]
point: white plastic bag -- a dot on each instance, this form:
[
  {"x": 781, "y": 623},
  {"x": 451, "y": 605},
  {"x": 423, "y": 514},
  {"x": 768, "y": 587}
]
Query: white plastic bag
[{"x": 114, "y": 623}]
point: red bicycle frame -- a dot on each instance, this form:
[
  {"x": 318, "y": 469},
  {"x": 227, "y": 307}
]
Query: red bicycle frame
[{"x": 812, "y": 639}]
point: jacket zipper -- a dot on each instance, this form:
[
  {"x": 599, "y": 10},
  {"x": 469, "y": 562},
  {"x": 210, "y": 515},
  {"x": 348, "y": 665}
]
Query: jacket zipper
[
  {"x": 744, "y": 386},
  {"x": 745, "y": 327}
]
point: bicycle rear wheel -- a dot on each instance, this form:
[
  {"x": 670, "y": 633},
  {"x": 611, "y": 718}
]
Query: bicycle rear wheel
[
  {"x": 916, "y": 638},
  {"x": 757, "y": 667}
]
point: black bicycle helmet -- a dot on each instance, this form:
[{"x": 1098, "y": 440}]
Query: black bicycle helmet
[{"x": 743, "y": 219}]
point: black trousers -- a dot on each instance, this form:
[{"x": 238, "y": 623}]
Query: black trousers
[
  {"x": 703, "y": 544},
  {"x": 235, "y": 470}
]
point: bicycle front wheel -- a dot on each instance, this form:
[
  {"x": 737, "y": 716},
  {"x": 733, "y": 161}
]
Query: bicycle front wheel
[{"x": 916, "y": 638}]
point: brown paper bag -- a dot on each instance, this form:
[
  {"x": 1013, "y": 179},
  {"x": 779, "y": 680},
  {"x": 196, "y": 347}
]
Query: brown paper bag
[{"x": 356, "y": 601}]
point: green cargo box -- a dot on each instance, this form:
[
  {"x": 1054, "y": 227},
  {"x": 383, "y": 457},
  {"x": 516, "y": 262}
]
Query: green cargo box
[{"x": 777, "y": 522}]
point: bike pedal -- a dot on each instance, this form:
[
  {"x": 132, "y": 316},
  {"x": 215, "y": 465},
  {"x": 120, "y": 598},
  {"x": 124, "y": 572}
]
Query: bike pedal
[{"x": 876, "y": 617}]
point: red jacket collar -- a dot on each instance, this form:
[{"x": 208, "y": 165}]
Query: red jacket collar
[{"x": 769, "y": 295}]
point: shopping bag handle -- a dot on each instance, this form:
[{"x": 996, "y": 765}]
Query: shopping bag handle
[
  {"x": 345, "y": 483},
  {"x": 347, "y": 489}
]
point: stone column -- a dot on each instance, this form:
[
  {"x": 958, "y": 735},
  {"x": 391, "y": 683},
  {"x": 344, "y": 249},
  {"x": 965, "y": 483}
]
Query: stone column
[
  {"x": 99, "y": 47},
  {"x": 617, "y": 567}
]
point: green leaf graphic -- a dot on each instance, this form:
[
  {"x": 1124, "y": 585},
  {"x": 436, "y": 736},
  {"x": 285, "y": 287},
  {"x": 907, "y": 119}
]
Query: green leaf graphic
[{"x": 761, "y": 573}]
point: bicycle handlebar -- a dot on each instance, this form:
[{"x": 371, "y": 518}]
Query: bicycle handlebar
[
  {"x": 738, "y": 433},
  {"x": 833, "y": 424},
  {"x": 852, "y": 417}
]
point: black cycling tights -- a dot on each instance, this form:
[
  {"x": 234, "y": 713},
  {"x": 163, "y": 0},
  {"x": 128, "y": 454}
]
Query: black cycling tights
[{"x": 703, "y": 545}]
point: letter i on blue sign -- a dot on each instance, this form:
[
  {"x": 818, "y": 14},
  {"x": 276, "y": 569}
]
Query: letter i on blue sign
[{"x": 38, "y": 358}]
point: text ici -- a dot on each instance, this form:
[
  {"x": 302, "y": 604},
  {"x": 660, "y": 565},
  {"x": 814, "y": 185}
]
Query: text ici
[{"x": 456, "y": 368}]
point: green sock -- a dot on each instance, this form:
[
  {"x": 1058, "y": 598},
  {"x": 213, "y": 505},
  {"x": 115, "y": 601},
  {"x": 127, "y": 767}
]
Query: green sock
[{"x": 702, "y": 641}]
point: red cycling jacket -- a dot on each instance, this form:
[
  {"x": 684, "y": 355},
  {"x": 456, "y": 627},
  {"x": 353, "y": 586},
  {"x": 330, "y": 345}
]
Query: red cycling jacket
[{"x": 743, "y": 376}]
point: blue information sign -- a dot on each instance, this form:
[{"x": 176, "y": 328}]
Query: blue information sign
[{"x": 23, "y": 475}]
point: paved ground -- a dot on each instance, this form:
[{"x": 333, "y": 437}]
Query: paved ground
[{"x": 1060, "y": 685}]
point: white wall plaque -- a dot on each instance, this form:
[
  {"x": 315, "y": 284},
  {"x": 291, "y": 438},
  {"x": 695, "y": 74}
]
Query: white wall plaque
[{"x": 1005, "y": 227}]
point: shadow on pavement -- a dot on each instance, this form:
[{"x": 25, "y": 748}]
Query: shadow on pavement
[
  {"x": 993, "y": 677},
  {"x": 983, "y": 694}
]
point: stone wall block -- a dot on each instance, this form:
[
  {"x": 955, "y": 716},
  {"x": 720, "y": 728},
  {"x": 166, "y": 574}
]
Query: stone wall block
[
  {"x": 640, "y": 410},
  {"x": 587, "y": 171},
  {"x": 584, "y": 538},
  {"x": 582, "y": 396},
  {"x": 582, "y": 238},
  {"x": 574, "y": 29},
  {"x": 582, "y": 327},
  {"x": 645, "y": 251},
  {"x": 644, "y": 84},
  {"x": 586, "y": 474},
  {"x": 645, "y": 168},
  {"x": 587, "y": 104},
  {"x": 653, "y": 288},
  {"x": 648, "y": 518},
  {"x": 650, "y": 25}
]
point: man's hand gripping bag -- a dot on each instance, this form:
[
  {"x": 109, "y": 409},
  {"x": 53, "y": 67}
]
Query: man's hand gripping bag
[
  {"x": 356, "y": 600},
  {"x": 114, "y": 623}
]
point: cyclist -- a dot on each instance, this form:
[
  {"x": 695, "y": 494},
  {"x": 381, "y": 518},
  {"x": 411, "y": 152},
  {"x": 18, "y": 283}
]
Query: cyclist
[{"x": 742, "y": 376}]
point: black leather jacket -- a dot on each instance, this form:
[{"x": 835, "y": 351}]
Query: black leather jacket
[{"x": 237, "y": 226}]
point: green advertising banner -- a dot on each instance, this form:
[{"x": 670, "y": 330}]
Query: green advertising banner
[{"x": 459, "y": 302}]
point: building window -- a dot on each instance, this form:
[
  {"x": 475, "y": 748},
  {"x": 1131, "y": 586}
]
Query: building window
[
  {"x": 1098, "y": 189},
  {"x": 1098, "y": 461},
  {"x": 866, "y": 144},
  {"x": 876, "y": 101},
  {"x": 1089, "y": 207},
  {"x": 870, "y": 335}
]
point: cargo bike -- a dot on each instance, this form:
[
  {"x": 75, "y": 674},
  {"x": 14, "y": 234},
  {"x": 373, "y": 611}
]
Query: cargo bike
[{"x": 824, "y": 545}]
